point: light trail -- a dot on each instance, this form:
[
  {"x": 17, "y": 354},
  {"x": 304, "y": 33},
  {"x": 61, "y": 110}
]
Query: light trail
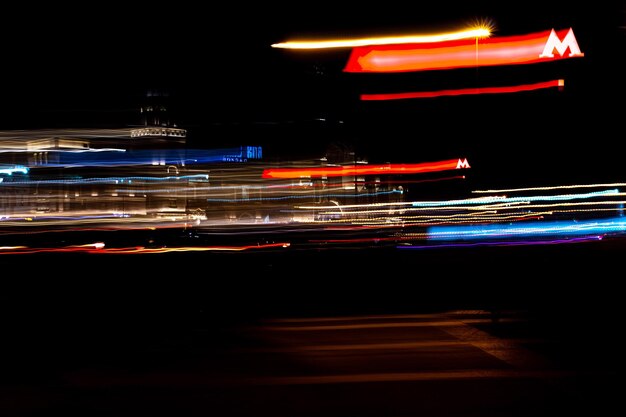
[
  {"x": 351, "y": 170},
  {"x": 512, "y": 50},
  {"x": 465, "y": 91},
  {"x": 479, "y": 32}
]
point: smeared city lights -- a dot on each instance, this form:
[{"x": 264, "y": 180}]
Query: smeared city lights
[{"x": 166, "y": 200}]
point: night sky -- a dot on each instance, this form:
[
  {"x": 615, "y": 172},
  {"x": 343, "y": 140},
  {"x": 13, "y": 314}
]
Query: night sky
[{"x": 68, "y": 67}]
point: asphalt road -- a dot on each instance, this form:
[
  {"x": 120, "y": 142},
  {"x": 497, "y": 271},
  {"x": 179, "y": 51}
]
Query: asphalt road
[
  {"x": 461, "y": 363},
  {"x": 491, "y": 331}
]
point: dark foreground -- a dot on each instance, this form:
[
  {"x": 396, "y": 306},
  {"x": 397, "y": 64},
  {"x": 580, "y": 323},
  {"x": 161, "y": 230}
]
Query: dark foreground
[{"x": 376, "y": 332}]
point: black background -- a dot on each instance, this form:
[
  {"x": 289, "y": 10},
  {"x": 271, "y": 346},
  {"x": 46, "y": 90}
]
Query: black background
[{"x": 91, "y": 66}]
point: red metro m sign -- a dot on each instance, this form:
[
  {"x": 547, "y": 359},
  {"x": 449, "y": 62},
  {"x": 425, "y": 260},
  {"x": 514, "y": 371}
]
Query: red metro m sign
[
  {"x": 554, "y": 44},
  {"x": 510, "y": 50}
]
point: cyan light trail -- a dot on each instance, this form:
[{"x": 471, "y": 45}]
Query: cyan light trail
[{"x": 538, "y": 229}]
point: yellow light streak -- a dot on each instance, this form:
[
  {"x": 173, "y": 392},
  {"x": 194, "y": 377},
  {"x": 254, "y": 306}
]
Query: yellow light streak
[{"x": 479, "y": 32}]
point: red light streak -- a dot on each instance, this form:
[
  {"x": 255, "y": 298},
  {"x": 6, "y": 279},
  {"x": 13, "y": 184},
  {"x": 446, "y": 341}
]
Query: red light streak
[
  {"x": 510, "y": 50},
  {"x": 351, "y": 170},
  {"x": 464, "y": 91},
  {"x": 22, "y": 250}
]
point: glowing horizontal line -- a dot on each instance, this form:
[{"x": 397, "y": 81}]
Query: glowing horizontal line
[
  {"x": 352, "y": 318},
  {"x": 464, "y": 53},
  {"x": 351, "y": 170},
  {"x": 555, "y": 187},
  {"x": 388, "y": 40},
  {"x": 438, "y": 323},
  {"x": 464, "y": 91},
  {"x": 501, "y": 200},
  {"x": 531, "y": 229},
  {"x": 142, "y": 250}
]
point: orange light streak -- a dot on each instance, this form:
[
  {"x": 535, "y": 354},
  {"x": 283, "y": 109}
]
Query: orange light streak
[
  {"x": 510, "y": 50},
  {"x": 351, "y": 170}
]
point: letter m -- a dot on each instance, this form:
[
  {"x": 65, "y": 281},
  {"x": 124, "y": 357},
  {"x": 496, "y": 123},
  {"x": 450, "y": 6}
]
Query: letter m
[
  {"x": 554, "y": 42},
  {"x": 462, "y": 164}
]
